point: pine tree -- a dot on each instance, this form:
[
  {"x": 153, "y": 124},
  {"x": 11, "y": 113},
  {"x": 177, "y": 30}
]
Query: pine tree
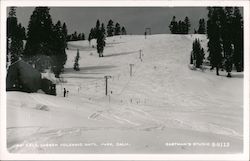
[
  {"x": 213, "y": 34},
  {"x": 92, "y": 33},
  {"x": 228, "y": 62},
  {"x": 195, "y": 31},
  {"x": 83, "y": 36},
  {"x": 183, "y": 28},
  {"x": 110, "y": 28},
  {"x": 179, "y": 28},
  {"x": 225, "y": 16},
  {"x": 173, "y": 26},
  {"x": 11, "y": 31},
  {"x": 76, "y": 64},
  {"x": 21, "y": 32},
  {"x": 96, "y": 29},
  {"x": 68, "y": 38},
  {"x": 74, "y": 36},
  {"x": 201, "y": 57},
  {"x": 202, "y": 26},
  {"x": 65, "y": 34},
  {"x": 237, "y": 36},
  {"x": 225, "y": 28},
  {"x": 40, "y": 31},
  {"x": 123, "y": 31},
  {"x": 79, "y": 37},
  {"x": 225, "y": 33},
  {"x": 103, "y": 29},
  {"x": 197, "y": 54},
  {"x": 16, "y": 49},
  {"x": 15, "y": 37},
  {"x": 58, "y": 56},
  {"x": 100, "y": 42},
  {"x": 64, "y": 30},
  {"x": 90, "y": 36},
  {"x": 117, "y": 29},
  {"x": 45, "y": 38},
  {"x": 187, "y": 25},
  {"x": 97, "y": 26}
]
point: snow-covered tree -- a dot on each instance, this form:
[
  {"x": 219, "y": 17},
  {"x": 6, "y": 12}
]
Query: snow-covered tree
[{"x": 15, "y": 37}]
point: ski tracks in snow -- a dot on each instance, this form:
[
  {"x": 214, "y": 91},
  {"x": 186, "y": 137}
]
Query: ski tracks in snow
[{"x": 42, "y": 136}]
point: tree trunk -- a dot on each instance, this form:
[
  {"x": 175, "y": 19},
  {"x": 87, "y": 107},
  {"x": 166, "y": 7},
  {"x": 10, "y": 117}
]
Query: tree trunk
[{"x": 217, "y": 70}]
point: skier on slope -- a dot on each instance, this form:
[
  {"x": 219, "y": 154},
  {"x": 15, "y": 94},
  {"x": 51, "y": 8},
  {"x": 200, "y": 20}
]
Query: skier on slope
[{"x": 64, "y": 92}]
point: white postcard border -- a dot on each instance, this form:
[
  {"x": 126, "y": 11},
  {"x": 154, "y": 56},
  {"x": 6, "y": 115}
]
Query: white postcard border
[{"x": 5, "y": 155}]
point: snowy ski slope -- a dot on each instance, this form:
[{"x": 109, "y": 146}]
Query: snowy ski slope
[{"x": 162, "y": 102}]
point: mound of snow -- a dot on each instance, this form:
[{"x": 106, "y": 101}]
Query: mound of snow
[{"x": 47, "y": 74}]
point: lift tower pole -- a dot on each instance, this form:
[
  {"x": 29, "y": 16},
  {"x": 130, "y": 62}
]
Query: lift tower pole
[
  {"x": 106, "y": 84},
  {"x": 131, "y": 68}
]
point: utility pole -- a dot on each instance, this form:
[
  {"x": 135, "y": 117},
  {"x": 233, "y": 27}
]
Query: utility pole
[
  {"x": 140, "y": 55},
  {"x": 131, "y": 66},
  {"x": 106, "y": 81}
]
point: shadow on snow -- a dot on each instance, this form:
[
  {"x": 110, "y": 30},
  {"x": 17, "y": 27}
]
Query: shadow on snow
[
  {"x": 89, "y": 69},
  {"x": 122, "y": 53}
]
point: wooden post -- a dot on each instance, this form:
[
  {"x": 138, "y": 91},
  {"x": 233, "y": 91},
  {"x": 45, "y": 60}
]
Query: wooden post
[
  {"x": 106, "y": 84},
  {"x": 131, "y": 66},
  {"x": 140, "y": 55}
]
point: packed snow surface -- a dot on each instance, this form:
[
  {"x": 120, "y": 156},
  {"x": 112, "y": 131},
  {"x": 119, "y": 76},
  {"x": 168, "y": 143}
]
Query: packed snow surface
[{"x": 160, "y": 107}]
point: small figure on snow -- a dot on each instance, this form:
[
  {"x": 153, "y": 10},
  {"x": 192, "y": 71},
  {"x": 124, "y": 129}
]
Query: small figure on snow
[
  {"x": 64, "y": 92},
  {"x": 78, "y": 89}
]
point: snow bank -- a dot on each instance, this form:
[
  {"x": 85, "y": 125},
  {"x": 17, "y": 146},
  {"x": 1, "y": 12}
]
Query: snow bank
[{"x": 49, "y": 75}]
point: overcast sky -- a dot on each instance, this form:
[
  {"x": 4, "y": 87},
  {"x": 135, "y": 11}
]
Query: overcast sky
[{"x": 135, "y": 19}]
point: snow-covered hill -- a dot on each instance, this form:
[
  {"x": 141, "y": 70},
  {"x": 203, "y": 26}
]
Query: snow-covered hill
[{"x": 162, "y": 102}]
